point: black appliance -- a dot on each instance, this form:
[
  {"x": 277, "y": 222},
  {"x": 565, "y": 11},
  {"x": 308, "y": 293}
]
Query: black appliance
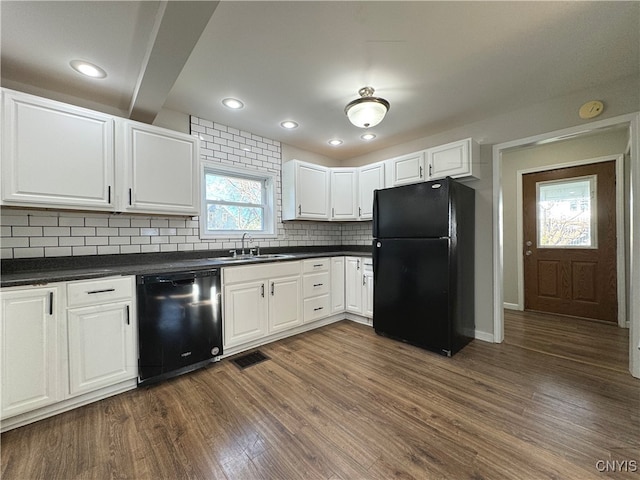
[
  {"x": 179, "y": 323},
  {"x": 423, "y": 264}
]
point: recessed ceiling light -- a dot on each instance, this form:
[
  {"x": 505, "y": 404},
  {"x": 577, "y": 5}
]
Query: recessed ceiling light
[
  {"x": 368, "y": 136},
  {"x": 289, "y": 124},
  {"x": 88, "y": 69},
  {"x": 233, "y": 103},
  {"x": 335, "y": 142}
]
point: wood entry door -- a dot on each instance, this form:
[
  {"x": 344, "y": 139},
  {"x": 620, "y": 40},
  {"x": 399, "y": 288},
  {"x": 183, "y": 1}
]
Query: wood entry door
[{"x": 569, "y": 226}]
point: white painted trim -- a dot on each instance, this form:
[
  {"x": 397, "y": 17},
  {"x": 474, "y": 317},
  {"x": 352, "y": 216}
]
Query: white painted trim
[
  {"x": 633, "y": 120},
  {"x": 634, "y": 287},
  {"x": 620, "y": 260},
  {"x": 484, "y": 336},
  {"x": 512, "y": 306}
]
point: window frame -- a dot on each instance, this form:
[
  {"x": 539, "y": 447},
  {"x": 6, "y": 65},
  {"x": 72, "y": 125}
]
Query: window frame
[
  {"x": 268, "y": 179},
  {"x": 593, "y": 205}
]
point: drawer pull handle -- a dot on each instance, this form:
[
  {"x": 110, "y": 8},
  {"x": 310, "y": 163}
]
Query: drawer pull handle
[
  {"x": 318, "y": 265},
  {"x": 273, "y": 288},
  {"x": 318, "y": 284},
  {"x": 128, "y": 319},
  {"x": 316, "y": 309},
  {"x": 262, "y": 290},
  {"x": 101, "y": 291}
]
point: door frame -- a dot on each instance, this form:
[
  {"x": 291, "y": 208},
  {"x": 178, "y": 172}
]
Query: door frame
[
  {"x": 632, "y": 122},
  {"x": 620, "y": 240}
]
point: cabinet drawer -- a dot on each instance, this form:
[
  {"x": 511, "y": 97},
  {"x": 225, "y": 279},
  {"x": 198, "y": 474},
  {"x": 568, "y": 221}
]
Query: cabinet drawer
[
  {"x": 250, "y": 273},
  {"x": 315, "y": 284},
  {"x": 315, "y": 265},
  {"x": 99, "y": 291},
  {"x": 316, "y": 308}
]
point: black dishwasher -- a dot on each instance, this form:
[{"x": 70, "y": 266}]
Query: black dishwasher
[{"x": 179, "y": 323}]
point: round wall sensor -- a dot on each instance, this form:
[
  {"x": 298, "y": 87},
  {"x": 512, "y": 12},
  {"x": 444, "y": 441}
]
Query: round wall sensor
[{"x": 591, "y": 109}]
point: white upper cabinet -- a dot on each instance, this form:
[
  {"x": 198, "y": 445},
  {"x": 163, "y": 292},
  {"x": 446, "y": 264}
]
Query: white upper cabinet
[
  {"x": 456, "y": 159},
  {"x": 305, "y": 191},
  {"x": 370, "y": 178},
  {"x": 406, "y": 169},
  {"x": 344, "y": 193},
  {"x": 160, "y": 170},
  {"x": 56, "y": 155}
]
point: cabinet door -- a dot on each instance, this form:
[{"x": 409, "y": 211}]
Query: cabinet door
[
  {"x": 407, "y": 169},
  {"x": 337, "y": 285},
  {"x": 451, "y": 160},
  {"x": 371, "y": 178},
  {"x": 312, "y": 191},
  {"x": 285, "y": 303},
  {"x": 353, "y": 284},
  {"x": 245, "y": 313},
  {"x": 367, "y": 293},
  {"x": 30, "y": 355},
  {"x": 162, "y": 174},
  {"x": 56, "y": 155},
  {"x": 101, "y": 346},
  {"x": 344, "y": 194}
]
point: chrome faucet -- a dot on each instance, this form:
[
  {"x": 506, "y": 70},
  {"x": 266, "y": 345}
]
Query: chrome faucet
[{"x": 245, "y": 235}]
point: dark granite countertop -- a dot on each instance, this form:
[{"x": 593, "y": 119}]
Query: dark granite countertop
[{"x": 39, "y": 271}]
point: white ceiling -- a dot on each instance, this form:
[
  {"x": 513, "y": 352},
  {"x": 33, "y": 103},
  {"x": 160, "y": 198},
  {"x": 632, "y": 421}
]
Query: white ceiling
[{"x": 439, "y": 64}]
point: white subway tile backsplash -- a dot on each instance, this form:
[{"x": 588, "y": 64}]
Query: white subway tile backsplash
[
  {"x": 108, "y": 250},
  {"x": 26, "y": 231},
  {"x": 57, "y": 251},
  {"x": 85, "y": 231},
  {"x": 36, "y": 252},
  {"x": 71, "y": 222},
  {"x": 36, "y": 221}
]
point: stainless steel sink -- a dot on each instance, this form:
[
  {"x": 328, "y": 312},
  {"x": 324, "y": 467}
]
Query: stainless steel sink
[{"x": 244, "y": 258}]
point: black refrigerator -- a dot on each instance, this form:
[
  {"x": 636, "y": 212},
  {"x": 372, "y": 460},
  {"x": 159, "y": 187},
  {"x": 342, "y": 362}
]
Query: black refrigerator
[{"x": 423, "y": 264}]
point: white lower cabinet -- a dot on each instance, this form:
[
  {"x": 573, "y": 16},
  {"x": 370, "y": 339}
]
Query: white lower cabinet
[
  {"x": 260, "y": 300},
  {"x": 337, "y": 285},
  {"x": 101, "y": 336},
  {"x": 316, "y": 289},
  {"x": 65, "y": 345},
  {"x": 359, "y": 285},
  {"x": 284, "y": 303},
  {"x": 353, "y": 284},
  {"x": 245, "y": 313},
  {"x": 367, "y": 288},
  {"x": 31, "y": 349}
]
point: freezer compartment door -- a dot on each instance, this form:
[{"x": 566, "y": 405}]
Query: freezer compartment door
[
  {"x": 411, "y": 291},
  {"x": 412, "y": 211}
]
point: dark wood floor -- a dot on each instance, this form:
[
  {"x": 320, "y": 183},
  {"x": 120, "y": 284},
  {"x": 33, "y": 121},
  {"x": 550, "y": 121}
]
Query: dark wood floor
[{"x": 342, "y": 403}]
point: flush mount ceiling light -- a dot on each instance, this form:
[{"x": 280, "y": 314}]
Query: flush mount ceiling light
[
  {"x": 87, "y": 69},
  {"x": 367, "y": 111},
  {"x": 289, "y": 124},
  {"x": 232, "y": 103},
  {"x": 368, "y": 136},
  {"x": 335, "y": 142}
]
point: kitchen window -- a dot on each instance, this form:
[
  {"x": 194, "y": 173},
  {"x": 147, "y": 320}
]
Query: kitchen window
[{"x": 236, "y": 201}]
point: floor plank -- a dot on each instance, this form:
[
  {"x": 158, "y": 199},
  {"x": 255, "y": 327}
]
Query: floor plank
[{"x": 340, "y": 402}]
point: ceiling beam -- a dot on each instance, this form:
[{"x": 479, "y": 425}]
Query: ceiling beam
[{"x": 178, "y": 27}]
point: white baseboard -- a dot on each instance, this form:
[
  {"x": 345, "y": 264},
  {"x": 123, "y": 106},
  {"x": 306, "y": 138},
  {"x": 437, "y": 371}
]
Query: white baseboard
[
  {"x": 511, "y": 306},
  {"x": 484, "y": 336}
]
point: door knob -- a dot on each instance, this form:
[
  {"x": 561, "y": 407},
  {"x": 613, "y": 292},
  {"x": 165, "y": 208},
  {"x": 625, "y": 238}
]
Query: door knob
[
  {"x": 527, "y": 253},
  {"x": 528, "y": 243}
]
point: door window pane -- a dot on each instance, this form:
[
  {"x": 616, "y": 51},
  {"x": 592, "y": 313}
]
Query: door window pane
[{"x": 566, "y": 211}]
